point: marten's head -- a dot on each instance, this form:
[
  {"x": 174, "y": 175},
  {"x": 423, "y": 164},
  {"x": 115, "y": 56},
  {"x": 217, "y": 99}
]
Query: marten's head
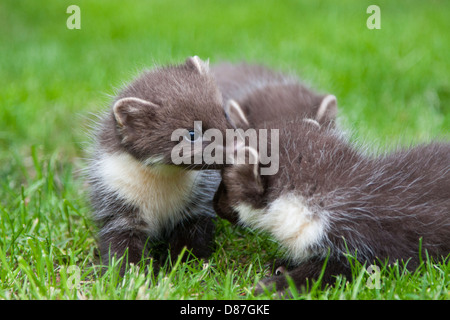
[
  {"x": 165, "y": 108},
  {"x": 301, "y": 144}
]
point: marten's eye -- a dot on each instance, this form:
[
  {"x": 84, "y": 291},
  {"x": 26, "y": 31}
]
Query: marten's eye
[{"x": 192, "y": 136}]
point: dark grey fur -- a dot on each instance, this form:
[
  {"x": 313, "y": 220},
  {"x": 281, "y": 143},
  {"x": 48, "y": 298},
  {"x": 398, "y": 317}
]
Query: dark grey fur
[
  {"x": 377, "y": 208},
  {"x": 265, "y": 94},
  {"x": 178, "y": 95}
]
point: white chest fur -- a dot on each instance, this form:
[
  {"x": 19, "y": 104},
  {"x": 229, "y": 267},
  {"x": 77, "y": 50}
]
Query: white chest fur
[
  {"x": 291, "y": 222},
  {"x": 160, "y": 192}
]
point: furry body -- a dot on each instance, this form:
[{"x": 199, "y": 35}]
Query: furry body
[
  {"x": 139, "y": 197},
  {"x": 328, "y": 198}
]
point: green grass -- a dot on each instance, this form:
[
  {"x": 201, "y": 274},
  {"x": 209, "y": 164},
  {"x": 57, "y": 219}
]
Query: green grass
[{"x": 392, "y": 86}]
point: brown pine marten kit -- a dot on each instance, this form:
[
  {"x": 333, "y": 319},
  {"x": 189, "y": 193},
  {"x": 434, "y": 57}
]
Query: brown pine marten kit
[
  {"x": 328, "y": 200},
  {"x": 138, "y": 195}
]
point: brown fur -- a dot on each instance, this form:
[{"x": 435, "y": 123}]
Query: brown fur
[
  {"x": 265, "y": 94},
  {"x": 378, "y": 209},
  {"x": 179, "y": 95},
  {"x": 134, "y": 139}
]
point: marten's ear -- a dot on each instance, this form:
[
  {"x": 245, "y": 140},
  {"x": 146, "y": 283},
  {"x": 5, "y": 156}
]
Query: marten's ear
[
  {"x": 235, "y": 115},
  {"x": 328, "y": 109},
  {"x": 198, "y": 64},
  {"x": 128, "y": 110}
]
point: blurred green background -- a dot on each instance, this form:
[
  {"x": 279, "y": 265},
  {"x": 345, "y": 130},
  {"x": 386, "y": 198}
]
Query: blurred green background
[{"x": 392, "y": 84}]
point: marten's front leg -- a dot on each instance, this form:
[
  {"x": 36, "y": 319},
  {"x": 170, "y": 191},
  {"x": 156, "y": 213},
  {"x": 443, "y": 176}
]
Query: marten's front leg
[
  {"x": 130, "y": 243},
  {"x": 195, "y": 234}
]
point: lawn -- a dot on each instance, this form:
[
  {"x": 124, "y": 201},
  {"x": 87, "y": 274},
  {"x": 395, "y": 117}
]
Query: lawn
[{"x": 392, "y": 85}]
